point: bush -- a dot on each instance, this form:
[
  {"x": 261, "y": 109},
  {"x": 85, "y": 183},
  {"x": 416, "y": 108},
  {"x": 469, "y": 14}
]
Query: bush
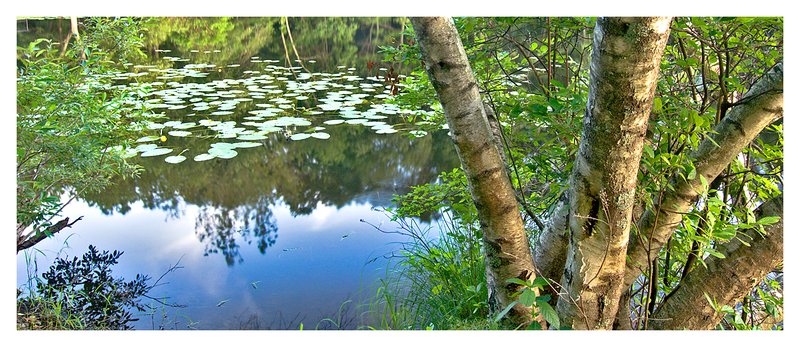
[{"x": 80, "y": 294}]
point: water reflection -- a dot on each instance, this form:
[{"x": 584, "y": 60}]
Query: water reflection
[
  {"x": 214, "y": 57},
  {"x": 236, "y": 195},
  {"x": 284, "y": 214}
]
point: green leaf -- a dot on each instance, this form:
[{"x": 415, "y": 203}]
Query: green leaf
[
  {"x": 715, "y": 253},
  {"x": 769, "y": 220},
  {"x": 648, "y": 151},
  {"x": 692, "y": 173},
  {"x": 703, "y": 182},
  {"x": 517, "y": 281},
  {"x": 657, "y": 104},
  {"x": 535, "y": 326},
  {"x": 549, "y": 315},
  {"x": 504, "y": 311},
  {"x": 528, "y": 297},
  {"x": 540, "y": 282}
]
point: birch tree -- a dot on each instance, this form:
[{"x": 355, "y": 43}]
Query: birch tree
[
  {"x": 624, "y": 69},
  {"x": 506, "y": 244},
  {"x": 601, "y": 236}
]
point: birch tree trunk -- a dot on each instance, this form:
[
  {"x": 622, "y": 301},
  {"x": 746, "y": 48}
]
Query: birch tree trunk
[
  {"x": 506, "y": 245},
  {"x": 624, "y": 69},
  {"x": 726, "y": 281}
]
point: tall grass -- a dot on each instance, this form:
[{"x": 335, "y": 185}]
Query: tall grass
[{"x": 436, "y": 279}]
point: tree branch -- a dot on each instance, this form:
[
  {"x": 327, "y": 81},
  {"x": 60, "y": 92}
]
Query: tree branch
[
  {"x": 30, "y": 241},
  {"x": 732, "y": 134},
  {"x": 725, "y": 280}
]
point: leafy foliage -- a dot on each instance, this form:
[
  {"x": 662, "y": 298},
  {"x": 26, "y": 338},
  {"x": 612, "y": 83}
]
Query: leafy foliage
[
  {"x": 83, "y": 294},
  {"x": 68, "y": 118}
]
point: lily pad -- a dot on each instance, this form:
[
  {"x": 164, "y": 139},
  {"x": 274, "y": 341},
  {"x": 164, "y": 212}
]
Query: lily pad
[
  {"x": 298, "y": 137},
  {"x": 174, "y": 159},
  {"x": 386, "y": 131},
  {"x": 203, "y": 157},
  {"x": 148, "y": 139},
  {"x": 246, "y": 144},
  {"x": 251, "y": 137},
  {"x": 321, "y": 136},
  {"x": 145, "y": 148},
  {"x": 186, "y": 125},
  {"x": 222, "y": 153},
  {"x": 179, "y": 133},
  {"x": 334, "y": 121},
  {"x": 156, "y": 152},
  {"x": 223, "y": 145}
]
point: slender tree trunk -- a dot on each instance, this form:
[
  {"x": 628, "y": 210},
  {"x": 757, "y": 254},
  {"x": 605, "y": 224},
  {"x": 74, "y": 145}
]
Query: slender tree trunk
[
  {"x": 624, "y": 70},
  {"x": 726, "y": 281},
  {"x": 759, "y": 107},
  {"x": 507, "y": 250}
]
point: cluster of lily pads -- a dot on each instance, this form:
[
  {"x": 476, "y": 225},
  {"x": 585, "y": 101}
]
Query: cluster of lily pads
[{"x": 269, "y": 99}]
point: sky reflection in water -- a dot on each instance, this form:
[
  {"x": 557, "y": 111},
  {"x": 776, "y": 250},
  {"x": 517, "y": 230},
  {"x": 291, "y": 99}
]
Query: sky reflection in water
[{"x": 269, "y": 237}]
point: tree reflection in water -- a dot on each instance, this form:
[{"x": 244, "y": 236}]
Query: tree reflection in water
[
  {"x": 236, "y": 197},
  {"x": 218, "y": 229}
]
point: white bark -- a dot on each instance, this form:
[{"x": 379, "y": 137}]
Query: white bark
[
  {"x": 506, "y": 245},
  {"x": 624, "y": 70}
]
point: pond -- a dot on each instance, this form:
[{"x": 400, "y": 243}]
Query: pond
[{"x": 263, "y": 176}]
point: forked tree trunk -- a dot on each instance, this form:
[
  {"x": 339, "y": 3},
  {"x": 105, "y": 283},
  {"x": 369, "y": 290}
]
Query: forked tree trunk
[
  {"x": 726, "y": 281},
  {"x": 507, "y": 250},
  {"x": 625, "y": 63}
]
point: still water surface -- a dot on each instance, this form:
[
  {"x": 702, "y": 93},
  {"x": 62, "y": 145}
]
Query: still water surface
[{"x": 265, "y": 174}]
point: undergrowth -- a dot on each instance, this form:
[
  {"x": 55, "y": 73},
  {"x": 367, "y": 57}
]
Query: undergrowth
[{"x": 437, "y": 279}]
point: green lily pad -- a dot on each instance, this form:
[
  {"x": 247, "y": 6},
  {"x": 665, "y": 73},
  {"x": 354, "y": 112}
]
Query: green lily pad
[
  {"x": 145, "y": 148},
  {"x": 186, "y": 125},
  {"x": 179, "y": 133},
  {"x": 386, "y": 131},
  {"x": 334, "y": 121},
  {"x": 298, "y": 137},
  {"x": 223, "y": 145},
  {"x": 174, "y": 159},
  {"x": 203, "y": 157},
  {"x": 251, "y": 137},
  {"x": 246, "y": 144},
  {"x": 321, "y": 136},
  {"x": 222, "y": 153},
  {"x": 148, "y": 139},
  {"x": 156, "y": 152}
]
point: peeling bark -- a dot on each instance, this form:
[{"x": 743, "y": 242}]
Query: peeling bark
[
  {"x": 624, "y": 69},
  {"x": 725, "y": 280},
  {"x": 550, "y": 248},
  {"x": 506, "y": 245},
  {"x": 760, "y": 106}
]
